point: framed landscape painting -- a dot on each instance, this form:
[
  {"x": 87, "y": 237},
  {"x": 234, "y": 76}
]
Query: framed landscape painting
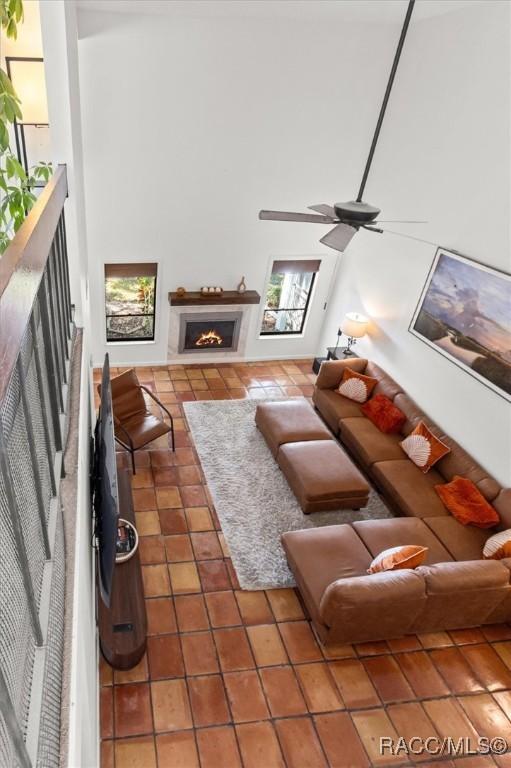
[{"x": 464, "y": 313}]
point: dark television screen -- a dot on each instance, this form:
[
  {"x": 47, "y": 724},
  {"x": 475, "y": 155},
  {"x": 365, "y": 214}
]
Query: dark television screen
[{"x": 106, "y": 500}]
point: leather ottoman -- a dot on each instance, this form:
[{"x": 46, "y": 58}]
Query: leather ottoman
[
  {"x": 289, "y": 421},
  {"x": 322, "y": 476}
]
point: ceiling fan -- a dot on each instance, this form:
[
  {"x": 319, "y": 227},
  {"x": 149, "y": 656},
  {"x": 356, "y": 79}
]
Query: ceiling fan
[{"x": 351, "y": 216}]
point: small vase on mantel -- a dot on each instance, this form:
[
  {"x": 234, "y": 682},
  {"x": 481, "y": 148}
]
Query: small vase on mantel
[{"x": 242, "y": 287}]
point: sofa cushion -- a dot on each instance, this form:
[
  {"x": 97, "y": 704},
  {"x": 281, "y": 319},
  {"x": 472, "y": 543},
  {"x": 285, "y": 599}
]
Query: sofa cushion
[
  {"x": 386, "y": 385},
  {"x": 498, "y": 546},
  {"x": 334, "y": 407},
  {"x": 378, "y": 535},
  {"x": 286, "y": 421},
  {"x": 502, "y": 504},
  {"x": 384, "y": 414},
  {"x": 412, "y": 491},
  {"x": 411, "y": 410},
  {"x": 414, "y": 414},
  {"x": 461, "y": 594},
  {"x": 331, "y": 371},
  {"x": 396, "y": 558},
  {"x": 320, "y": 556},
  {"x": 423, "y": 448},
  {"x": 459, "y": 462},
  {"x": 463, "y": 576},
  {"x": 368, "y": 443},
  {"x": 322, "y": 476},
  {"x": 467, "y": 504},
  {"x": 356, "y": 386},
  {"x": 464, "y": 542}
]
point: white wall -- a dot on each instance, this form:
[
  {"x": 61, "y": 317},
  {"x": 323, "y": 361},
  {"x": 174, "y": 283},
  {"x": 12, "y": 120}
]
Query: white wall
[
  {"x": 191, "y": 126},
  {"x": 443, "y": 156}
]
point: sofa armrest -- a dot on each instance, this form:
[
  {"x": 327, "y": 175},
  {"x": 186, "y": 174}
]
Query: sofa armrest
[
  {"x": 330, "y": 372},
  {"x": 373, "y": 606}
]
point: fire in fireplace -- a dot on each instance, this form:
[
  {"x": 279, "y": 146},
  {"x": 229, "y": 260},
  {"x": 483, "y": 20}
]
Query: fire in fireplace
[
  {"x": 209, "y": 332},
  {"x": 206, "y": 334},
  {"x": 209, "y": 339}
]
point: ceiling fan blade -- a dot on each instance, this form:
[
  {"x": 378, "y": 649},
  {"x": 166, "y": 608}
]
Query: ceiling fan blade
[
  {"x": 326, "y": 210},
  {"x": 373, "y": 229},
  {"x": 398, "y": 221},
  {"x": 285, "y": 216},
  {"x": 338, "y": 237}
]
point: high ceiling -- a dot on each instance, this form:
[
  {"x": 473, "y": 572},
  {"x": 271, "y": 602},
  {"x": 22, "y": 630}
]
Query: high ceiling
[{"x": 372, "y": 11}]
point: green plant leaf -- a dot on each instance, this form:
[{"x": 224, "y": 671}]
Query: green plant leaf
[
  {"x": 4, "y": 137},
  {"x": 18, "y": 10}
]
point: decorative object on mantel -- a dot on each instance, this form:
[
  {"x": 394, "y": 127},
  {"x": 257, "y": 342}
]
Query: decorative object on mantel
[
  {"x": 196, "y": 298},
  {"x": 207, "y": 290},
  {"x": 180, "y": 291},
  {"x": 241, "y": 286},
  {"x": 354, "y": 326},
  {"x": 463, "y": 313}
]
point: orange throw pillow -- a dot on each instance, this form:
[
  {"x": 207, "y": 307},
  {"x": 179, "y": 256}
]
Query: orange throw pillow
[
  {"x": 356, "y": 386},
  {"x": 498, "y": 546},
  {"x": 406, "y": 556},
  {"x": 466, "y": 503},
  {"x": 384, "y": 414},
  {"x": 423, "y": 448}
]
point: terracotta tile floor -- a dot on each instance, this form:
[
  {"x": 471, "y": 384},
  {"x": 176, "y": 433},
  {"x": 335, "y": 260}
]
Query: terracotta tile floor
[{"x": 236, "y": 678}]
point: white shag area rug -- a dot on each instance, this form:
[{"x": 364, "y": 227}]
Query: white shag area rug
[{"x": 254, "y": 503}]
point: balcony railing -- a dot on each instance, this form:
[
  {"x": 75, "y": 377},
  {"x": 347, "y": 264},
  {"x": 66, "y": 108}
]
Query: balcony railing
[{"x": 35, "y": 344}]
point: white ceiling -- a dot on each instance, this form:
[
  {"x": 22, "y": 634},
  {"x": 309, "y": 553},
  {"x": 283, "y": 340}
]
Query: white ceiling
[{"x": 371, "y": 11}]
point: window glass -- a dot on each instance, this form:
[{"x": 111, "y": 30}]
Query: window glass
[
  {"x": 130, "y": 305},
  {"x": 287, "y": 301}
]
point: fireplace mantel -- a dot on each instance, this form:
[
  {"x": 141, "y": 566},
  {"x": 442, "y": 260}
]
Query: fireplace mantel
[{"x": 197, "y": 299}]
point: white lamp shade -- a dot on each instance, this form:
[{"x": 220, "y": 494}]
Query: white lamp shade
[{"x": 354, "y": 325}]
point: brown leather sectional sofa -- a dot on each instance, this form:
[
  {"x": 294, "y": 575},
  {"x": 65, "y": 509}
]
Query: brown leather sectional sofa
[{"x": 455, "y": 588}]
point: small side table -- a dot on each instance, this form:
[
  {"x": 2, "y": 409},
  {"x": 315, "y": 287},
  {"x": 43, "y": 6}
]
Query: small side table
[
  {"x": 333, "y": 354},
  {"x": 337, "y": 353}
]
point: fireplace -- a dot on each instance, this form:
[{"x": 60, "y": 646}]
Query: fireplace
[{"x": 211, "y": 332}]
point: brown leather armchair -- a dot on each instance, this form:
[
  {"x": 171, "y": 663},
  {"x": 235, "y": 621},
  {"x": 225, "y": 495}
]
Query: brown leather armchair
[{"x": 134, "y": 425}]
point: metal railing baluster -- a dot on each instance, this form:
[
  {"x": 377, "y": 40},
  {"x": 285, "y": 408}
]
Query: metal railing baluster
[
  {"x": 56, "y": 399},
  {"x": 27, "y": 407},
  {"x": 40, "y": 386},
  {"x": 66, "y": 264},
  {"x": 56, "y": 328}
]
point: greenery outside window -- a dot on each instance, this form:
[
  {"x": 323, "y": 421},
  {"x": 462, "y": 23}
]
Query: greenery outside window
[
  {"x": 130, "y": 301},
  {"x": 288, "y": 296}
]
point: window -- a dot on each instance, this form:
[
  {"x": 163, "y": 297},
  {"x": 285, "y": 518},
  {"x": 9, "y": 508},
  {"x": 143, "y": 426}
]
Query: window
[
  {"x": 288, "y": 296},
  {"x": 130, "y": 299}
]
